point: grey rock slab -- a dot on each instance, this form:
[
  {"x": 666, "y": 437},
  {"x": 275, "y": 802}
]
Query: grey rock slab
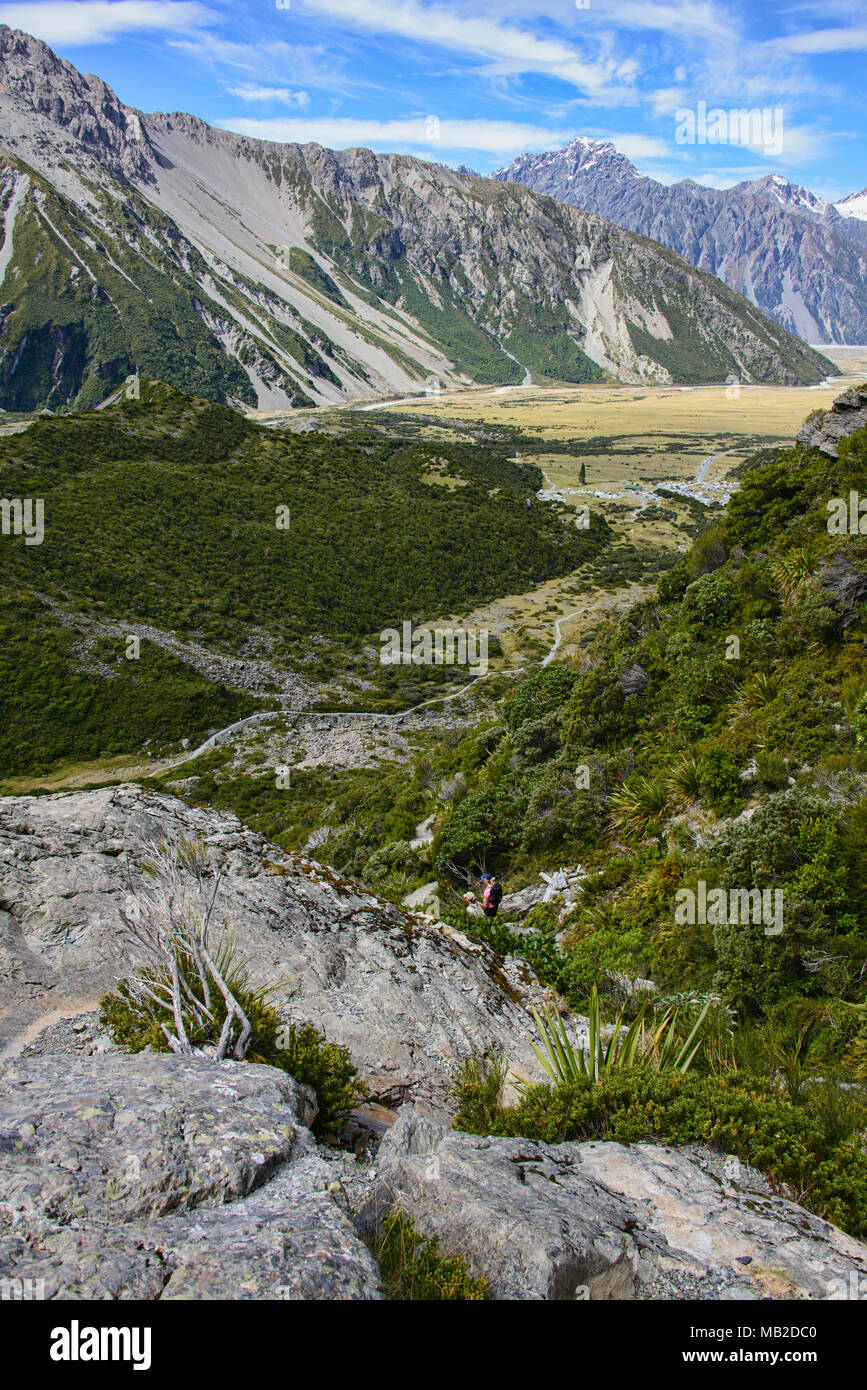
[
  {"x": 113, "y": 1138},
  {"x": 519, "y": 903},
  {"x": 768, "y": 1244},
  {"x": 409, "y": 997},
  {"x": 523, "y": 1214},
  {"x": 605, "y": 1220},
  {"x": 292, "y": 1240},
  {"x": 167, "y": 1177}
]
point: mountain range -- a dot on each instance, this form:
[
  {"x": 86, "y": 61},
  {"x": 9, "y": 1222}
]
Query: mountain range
[
  {"x": 798, "y": 258},
  {"x": 273, "y": 275}
]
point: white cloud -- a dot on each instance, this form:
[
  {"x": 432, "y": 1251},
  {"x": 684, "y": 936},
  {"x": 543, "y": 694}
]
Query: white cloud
[
  {"x": 427, "y": 132},
  {"x": 249, "y": 92},
  {"x": 102, "y": 21},
  {"x": 822, "y": 41},
  {"x": 268, "y": 61},
  {"x": 683, "y": 21},
  {"x": 504, "y": 48}
]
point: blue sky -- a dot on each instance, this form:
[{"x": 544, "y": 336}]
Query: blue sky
[{"x": 470, "y": 81}]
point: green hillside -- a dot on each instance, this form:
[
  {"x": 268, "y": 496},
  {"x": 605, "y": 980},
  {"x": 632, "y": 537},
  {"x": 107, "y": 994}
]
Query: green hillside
[
  {"x": 165, "y": 511},
  {"x": 639, "y": 762}
]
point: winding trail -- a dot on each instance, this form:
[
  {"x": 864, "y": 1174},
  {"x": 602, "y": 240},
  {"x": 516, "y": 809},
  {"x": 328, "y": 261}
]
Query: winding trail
[
  {"x": 222, "y": 735},
  {"x": 559, "y": 633},
  {"x": 374, "y": 716}
]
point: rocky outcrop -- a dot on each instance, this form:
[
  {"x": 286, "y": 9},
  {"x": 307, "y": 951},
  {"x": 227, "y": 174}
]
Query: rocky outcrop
[
  {"x": 161, "y": 1177},
  {"x": 826, "y": 429},
  {"x": 603, "y": 1220},
  {"x": 408, "y": 996},
  {"x": 633, "y": 680},
  {"x": 167, "y": 1177}
]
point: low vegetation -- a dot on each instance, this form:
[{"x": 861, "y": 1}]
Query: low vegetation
[
  {"x": 192, "y": 995},
  {"x": 670, "y": 761},
  {"x": 180, "y": 514},
  {"x": 811, "y": 1150},
  {"x": 414, "y": 1268}
]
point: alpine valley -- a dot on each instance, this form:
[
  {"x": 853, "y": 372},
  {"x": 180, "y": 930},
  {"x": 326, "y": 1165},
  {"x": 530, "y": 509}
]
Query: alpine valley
[
  {"x": 433, "y": 729},
  {"x": 277, "y": 275}
]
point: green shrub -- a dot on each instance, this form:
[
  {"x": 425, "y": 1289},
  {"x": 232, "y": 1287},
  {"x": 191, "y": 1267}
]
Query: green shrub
[
  {"x": 772, "y": 770},
  {"x": 720, "y": 779},
  {"x": 305, "y": 1054},
  {"x": 413, "y": 1268},
  {"x": 794, "y": 842},
  {"x": 399, "y": 855},
  {"x": 683, "y": 782},
  {"x": 536, "y": 740},
  {"x": 598, "y": 714},
  {"x": 326, "y": 1067},
  {"x": 638, "y": 808},
  {"x": 558, "y": 811},
  {"x": 483, "y": 827},
  {"x": 135, "y": 1024},
  {"x": 672, "y": 584},
  {"x": 737, "y": 1114},
  {"x": 479, "y": 1084},
  {"x": 544, "y": 691},
  {"x": 859, "y": 720},
  {"x": 709, "y": 600}
]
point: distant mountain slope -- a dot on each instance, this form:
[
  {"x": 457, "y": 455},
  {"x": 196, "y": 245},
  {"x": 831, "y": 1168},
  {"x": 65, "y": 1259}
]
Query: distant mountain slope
[
  {"x": 854, "y": 206},
  {"x": 271, "y": 275},
  {"x": 799, "y": 259}
]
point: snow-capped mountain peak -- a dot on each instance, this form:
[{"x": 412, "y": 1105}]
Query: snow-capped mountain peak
[
  {"x": 797, "y": 257},
  {"x": 854, "y": 206}
]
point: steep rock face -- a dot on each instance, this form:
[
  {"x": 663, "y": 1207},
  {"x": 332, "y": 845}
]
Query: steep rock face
[
  {"x": 168, "y": 1177},
  {"x": 410, "y": 998},
  {"x": 826, "y": 429},
  {"x": 603, "y": 1220},
  {"x": 274, "y": 274},
  {"x": 794, "y": 256},
  {"x": 83, "y": 109}
]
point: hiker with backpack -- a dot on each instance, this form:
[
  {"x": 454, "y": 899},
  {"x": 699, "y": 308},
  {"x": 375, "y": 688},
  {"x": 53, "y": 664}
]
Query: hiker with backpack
[{"x": 492, "y": 896}]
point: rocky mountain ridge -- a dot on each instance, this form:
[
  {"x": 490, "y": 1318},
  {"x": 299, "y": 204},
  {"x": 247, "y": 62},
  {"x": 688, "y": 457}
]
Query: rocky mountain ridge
[
  {"x": 273, "y": 275},
  {"x": 799, "y": 259}
]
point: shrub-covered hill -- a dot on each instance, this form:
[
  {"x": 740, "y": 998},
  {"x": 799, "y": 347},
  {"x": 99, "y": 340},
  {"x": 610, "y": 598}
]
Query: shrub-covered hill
[
  {"x": 165, "y": 510},
  {"x": 57, "y": 707},
  {"x": 717, "y": 733},
  {"x": 741, "y": 687}
]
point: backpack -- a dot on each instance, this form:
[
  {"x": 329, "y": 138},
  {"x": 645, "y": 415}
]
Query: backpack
[{"x": 495, "y": 894}]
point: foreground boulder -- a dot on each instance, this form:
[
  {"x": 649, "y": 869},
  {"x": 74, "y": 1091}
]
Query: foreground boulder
[
  {"x": 408, "y": 997},
  {"x": 161, "y": 1177},
  {"x": 169, "y": 1177},
  {"x": 608, "y": 1221}
]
